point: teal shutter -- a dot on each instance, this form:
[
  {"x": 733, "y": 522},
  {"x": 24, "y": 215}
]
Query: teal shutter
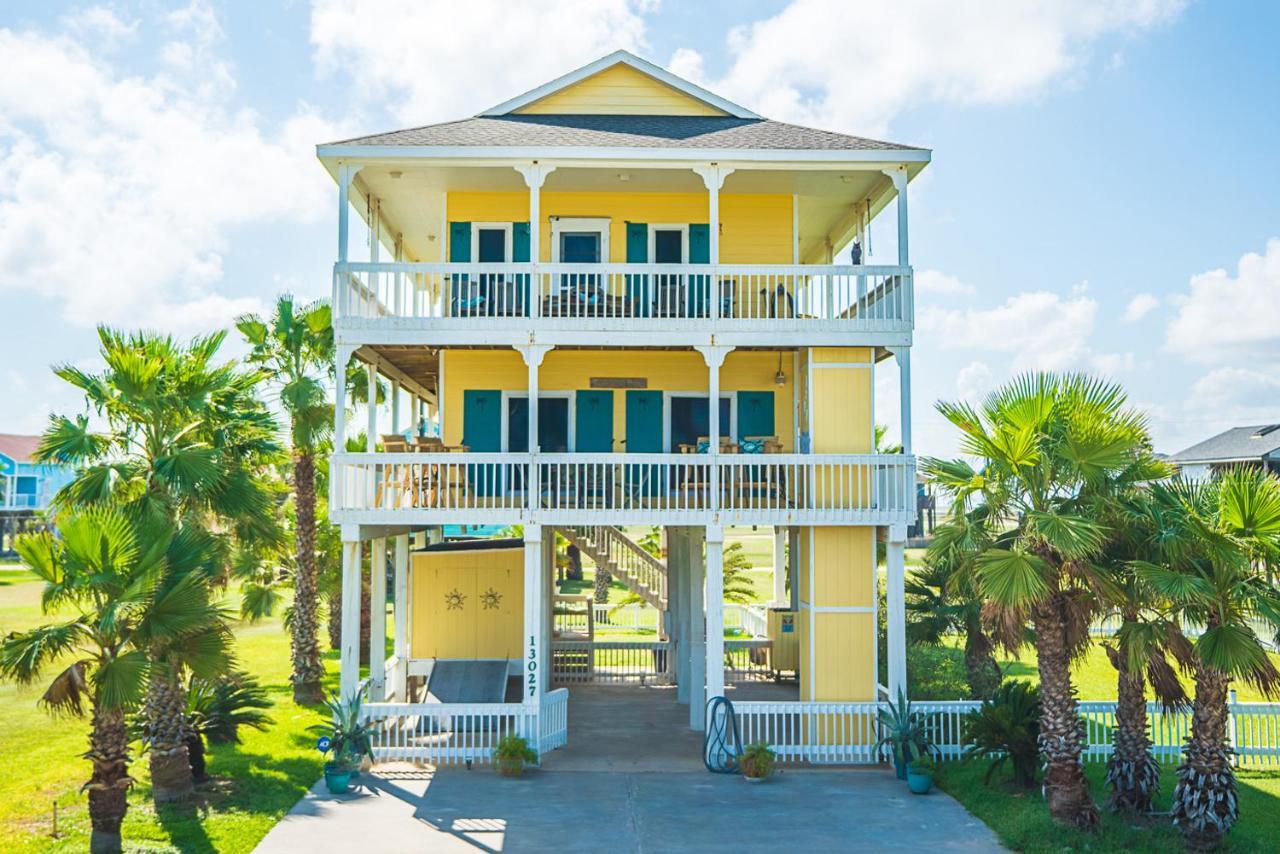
[
  {"x": 644, "y": 436},
  {"x": 464, "y": 300},
  {"x": 459, "y": 242},
  {"x": 755, "y": 414},
  {"x": 593, "y": 421},
  {"x": 638, "y": 253},
  {"x": 482, "y": 432},
  {"x": 699, "y": 253},
  {"x": 520, "y": 255}
]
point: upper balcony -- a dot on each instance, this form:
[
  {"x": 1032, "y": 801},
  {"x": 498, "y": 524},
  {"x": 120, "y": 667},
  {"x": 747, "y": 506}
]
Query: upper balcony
[{"x": 463, "y": 303}]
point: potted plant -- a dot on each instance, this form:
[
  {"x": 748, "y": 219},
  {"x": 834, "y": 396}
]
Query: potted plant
[
  {"x": 902, "y": 733},
  {"x": 512, "y": 754},
  {"x": 347, "y": 738},
  {"x": 920, "y": 775},
  {"x": 757, "y": 762}
]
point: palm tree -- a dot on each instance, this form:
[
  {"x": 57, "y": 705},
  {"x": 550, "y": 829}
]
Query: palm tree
[
  {"x": 1218, "y": 544},
  {"x": 185, "y": 444},
  {"x": 296, "y": 345},
  {"x": 1051, "y": 446},
  {"x": 110, "y": 573},
  {"x": 942, "y": 600}
]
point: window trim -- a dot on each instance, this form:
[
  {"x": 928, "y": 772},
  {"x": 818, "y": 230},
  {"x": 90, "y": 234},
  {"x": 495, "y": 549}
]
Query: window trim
[
  {"x": 562, "y": 224},
  {"x": 654, "y": 228},
  {"x": 506, "y": 414},
  {"x": 507, "y": 250}
]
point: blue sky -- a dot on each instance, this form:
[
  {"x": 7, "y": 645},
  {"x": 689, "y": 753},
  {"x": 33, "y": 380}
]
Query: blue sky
[{"x": 1104, "y": 194}]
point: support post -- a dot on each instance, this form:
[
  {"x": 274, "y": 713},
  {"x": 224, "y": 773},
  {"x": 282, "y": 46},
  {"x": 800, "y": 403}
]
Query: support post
[
  {"x": 346, "y": 174},
  {"x": 343, "y": 356},
  {"x": 714, "y": 597},
  {"x": 533, "y": 355},
  {"x": 535, "y": 174},
  {"x": 535, "y": 671},
  {"x": 678, "y": 589},
  {"x": 899, "y": 177},
  {"x": 714, "y": 355},
  {"x": 895, "y": 599},
  {"x": 903, "y": 356},
  {"x": 349, "y": 676},
  {"x": 378, "y": 621},
  {"x": 401, "y": 610},
  {"x": 779, "y": 566},
  {"x": 371, "y": 428},
  {"x": 697, "y": 633},
  {"x": 713, "y": 175},
  {"x": 395, "y": 404}
]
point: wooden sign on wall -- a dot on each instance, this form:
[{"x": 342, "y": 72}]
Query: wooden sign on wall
[{"x": 619, "y": 382}]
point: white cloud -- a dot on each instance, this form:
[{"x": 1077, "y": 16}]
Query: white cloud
[
  {"x": 1225, "y": 319},
  {"x": 436, "y": 60},
  {"x": 1039, "y": 329},
  {"x": 854, "y": 68},
  {"x": 1238, "y": 388},
  {"x": 119, "y": 192},
  {"x": 936, "y": 283},
  {"x": 1139, "y": 307},
  {"x": 975, "y": 381}
]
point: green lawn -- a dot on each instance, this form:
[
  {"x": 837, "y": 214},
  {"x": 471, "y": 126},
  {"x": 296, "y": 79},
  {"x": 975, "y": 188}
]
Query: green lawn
[
  {"x": 254, "y": 783},
  {"x": 1022, "y": 820}
]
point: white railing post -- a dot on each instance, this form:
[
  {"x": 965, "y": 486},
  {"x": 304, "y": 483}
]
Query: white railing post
[{"x": 895, "y": 597}]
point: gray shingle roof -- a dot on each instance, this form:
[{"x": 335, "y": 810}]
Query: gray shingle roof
[
  {"x": 1238, "y": 443},
  {"x": 626, "y": 131}
]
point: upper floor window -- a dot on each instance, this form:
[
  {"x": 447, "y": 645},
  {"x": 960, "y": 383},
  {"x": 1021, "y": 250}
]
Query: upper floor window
[{"x": 579, "y": 240}]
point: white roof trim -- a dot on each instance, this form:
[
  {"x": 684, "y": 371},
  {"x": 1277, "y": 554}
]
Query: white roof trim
[
  {"x": 625, "y": 58},
  {"x": 471, "y": 153}
]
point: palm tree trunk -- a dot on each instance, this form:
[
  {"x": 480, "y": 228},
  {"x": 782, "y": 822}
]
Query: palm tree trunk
[
  {"x": 1066, "y": 788},
  {"x": 167, "y": 730},
  {"x": 308, "y": 670},
  {"x": 109, "y": 785},
  {"x": 981, "y": 668},
  {"x": 195, "y": 752},
  {"x": 603, "y": 580},
  {"x": 1132, "y": 772},
  {"x": 1204, "y": 800}
]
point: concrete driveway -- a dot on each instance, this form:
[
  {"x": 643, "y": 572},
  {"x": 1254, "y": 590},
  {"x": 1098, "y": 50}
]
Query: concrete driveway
[{"x": 408, "y": 810}]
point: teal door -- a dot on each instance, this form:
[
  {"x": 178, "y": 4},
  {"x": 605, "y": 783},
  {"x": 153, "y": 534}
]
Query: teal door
[
  {"x": 593, "y": 421},
  {"x": 482, "y": 433},
  {"x": 755, "y": 414},
  {"x": 644, "y": 436}
]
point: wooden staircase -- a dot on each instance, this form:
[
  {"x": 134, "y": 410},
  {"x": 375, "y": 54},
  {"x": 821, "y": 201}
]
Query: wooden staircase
[{"x": 612, "y": 550}]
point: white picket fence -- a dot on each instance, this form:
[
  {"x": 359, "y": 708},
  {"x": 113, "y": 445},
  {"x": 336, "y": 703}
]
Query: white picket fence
[
  {"x": 1108, "y": 626},
  {"x": 751, "y": 620},
  {"x": 610, "y": 662},
  {"x": 845, "y": 733}
]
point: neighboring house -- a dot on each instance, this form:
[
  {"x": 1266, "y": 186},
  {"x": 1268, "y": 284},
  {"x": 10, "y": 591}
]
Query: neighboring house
[
  {"x": 1255, "y": 446},
  {"x": 563, "y": 284},
  {"x": 26, "y": 486}
]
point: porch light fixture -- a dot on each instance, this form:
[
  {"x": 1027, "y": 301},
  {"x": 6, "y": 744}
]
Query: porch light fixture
[
  {"x": 623, "y": 176},
  {"x": 780, "y": 378}
]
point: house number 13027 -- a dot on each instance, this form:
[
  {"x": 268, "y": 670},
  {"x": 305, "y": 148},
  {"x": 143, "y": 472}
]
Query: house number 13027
[{"x": 532, "y": 666}]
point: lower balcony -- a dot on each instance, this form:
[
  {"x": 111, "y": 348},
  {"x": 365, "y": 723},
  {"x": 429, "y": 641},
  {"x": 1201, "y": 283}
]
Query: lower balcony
[{"x": 690, "y": 489}]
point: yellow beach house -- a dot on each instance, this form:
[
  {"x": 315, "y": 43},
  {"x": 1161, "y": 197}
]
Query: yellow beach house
[{"x": 613, "y": 302}]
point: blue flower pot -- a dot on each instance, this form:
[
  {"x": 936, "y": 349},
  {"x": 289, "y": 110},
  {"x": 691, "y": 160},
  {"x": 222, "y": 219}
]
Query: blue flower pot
[
  {"x": 338, "y": 780},
  {"x": 919, "y": 783}
]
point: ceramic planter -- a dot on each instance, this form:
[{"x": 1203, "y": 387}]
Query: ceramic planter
[
  {"x": 919, "y": 782},
  {"x": 511, "y": 766},
  {"x": 337, "y": 779}
]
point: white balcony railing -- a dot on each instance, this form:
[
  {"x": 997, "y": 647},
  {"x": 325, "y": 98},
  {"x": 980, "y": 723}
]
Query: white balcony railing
[
  {"x": 473, "y": 488},
  {"x": 658, "y": 296}
]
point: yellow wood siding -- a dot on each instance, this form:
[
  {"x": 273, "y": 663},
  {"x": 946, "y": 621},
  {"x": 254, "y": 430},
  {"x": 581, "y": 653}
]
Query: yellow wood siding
[
  {"x": 837, "y": 655},
  {"x": 841, "y": 401},
  {"x": 755, "y": 229},
  {"x": 621, "y": 89},
  {"x": 569, "y": 370},
  {"x": 485, "y": 626}
]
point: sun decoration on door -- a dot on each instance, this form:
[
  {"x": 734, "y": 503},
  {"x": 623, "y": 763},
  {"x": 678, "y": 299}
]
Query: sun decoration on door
[
  {"x": 454, "y": 600},
  {"x": 491, "y": 599}
]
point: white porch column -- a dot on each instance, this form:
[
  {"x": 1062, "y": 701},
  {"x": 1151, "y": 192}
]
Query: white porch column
[
  {"x": 395, "y": 405},
  {"x": 678, "y": 588},
  {"x": 342, "y": 357},
  {"x": 714, "y": 355},
  {"x": 903, "y": 356},
  {"x": 713, "y": 175},
  {"x": 779, "y": 566},
  {"x": 535, "y": 174},
  {"x": 535, "y": 671},
  {"x": 378, "y": 621},
  {"x": 715, "y": 613},
  {"x": 346, "y": 174},
  {"x": 899, "y": 178},
  {"x": 401, "y": 610},
  {"x": 697, "y": 632},
  {"x": 533, "y": 355},
  {"x": 349, "y": 678},
  {"x": 895, "y": 597},
  {"x": 371, "y": 428}
]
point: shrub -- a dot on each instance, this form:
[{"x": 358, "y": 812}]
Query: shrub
[
  {"x": 1007, "y": 728},
  {"x": 757, "y": 760}
]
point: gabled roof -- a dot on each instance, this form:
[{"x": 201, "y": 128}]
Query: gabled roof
[
  {"x": 1238, "y": 443},
  {"x": 620, "y": 57},
  {"x": 20, "y": 449},
  {"x": 625, "y": 131}
]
